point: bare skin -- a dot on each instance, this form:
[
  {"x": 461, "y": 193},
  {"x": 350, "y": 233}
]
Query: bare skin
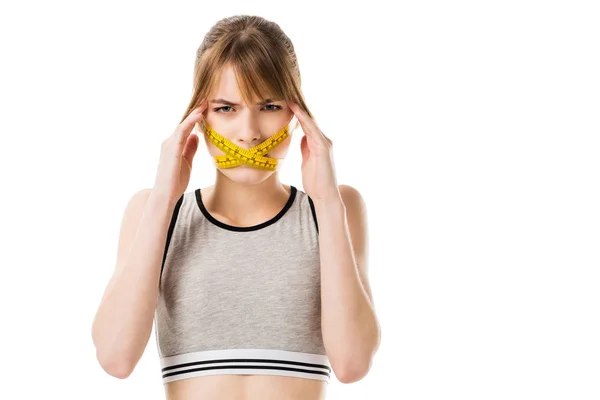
[{"x": 246, "y": 387}]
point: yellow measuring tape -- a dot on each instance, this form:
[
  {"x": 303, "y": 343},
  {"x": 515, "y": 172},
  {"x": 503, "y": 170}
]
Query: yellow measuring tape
[{"x": 236, "y": 156}]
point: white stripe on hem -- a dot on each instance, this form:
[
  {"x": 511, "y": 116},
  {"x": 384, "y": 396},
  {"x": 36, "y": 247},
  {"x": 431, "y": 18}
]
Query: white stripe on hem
[{"x": 246, "y": 362}]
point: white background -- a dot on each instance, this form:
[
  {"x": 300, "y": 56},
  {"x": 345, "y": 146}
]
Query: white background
[{"x": 471, "y": 128}]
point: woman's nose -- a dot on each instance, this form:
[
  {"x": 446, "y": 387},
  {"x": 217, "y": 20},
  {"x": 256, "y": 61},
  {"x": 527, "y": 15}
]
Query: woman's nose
[{"x": 249, "y": 135}]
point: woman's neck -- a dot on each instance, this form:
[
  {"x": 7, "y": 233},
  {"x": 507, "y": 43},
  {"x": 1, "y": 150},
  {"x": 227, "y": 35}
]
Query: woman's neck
[{"x": 245, "y": 205}]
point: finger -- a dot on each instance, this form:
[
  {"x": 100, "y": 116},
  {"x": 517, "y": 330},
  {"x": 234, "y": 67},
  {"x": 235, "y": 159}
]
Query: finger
[
  {"x": 185, "y": 128},
  {"x": 316, "y": 138},
  {"x": 309, "y": 126},
  {"x": 190, "y": 149},
  {"x": 304, "y": 149}
]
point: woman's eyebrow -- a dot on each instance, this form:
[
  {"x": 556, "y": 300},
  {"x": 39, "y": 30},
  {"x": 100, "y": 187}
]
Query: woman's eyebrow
[{"x": 229, "y": 103}]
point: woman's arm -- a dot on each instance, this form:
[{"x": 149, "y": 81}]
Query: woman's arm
[
  {"x": 123, "y": 322},
  {"x": 351, "y": 332}
]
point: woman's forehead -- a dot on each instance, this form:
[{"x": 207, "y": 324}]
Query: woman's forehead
[
  {"x": 227, "y": 87},
  {"x": 231, "y": 101}
]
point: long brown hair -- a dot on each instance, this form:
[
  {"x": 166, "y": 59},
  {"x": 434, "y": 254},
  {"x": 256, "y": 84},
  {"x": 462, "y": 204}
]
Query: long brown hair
[{"x": 261, "y": 55}]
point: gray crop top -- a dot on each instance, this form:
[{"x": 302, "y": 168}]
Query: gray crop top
[{"x": 241, "y": 300}]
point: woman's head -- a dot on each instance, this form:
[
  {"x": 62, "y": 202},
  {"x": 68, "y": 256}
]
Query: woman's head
[{"x": 247, "y": 69}]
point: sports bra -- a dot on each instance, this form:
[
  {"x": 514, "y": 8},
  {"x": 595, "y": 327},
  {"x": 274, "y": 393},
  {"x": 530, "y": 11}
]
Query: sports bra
[{"x": 241, "y": 300}]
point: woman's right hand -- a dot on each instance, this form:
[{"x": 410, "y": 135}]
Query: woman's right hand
[{"x": 176, "y": 156}]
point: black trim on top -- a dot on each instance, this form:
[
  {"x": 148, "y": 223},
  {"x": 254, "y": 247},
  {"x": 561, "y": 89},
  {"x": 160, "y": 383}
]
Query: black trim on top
[
  {"x": 170, "y": 233},
  {"x": 314, "y": 213},
  {"x": 245, "y": 228}
]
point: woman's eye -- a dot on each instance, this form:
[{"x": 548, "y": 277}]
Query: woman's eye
[
  {"x": 220, "y": 108},
  {"x": 226, "y": 109}
]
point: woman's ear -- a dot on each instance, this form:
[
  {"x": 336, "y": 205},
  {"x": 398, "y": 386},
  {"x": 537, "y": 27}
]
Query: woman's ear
[{"x": 293, "y": 124}]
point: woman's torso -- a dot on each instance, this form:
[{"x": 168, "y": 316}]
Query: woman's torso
[
  {"x": 250, "y": 387},
  {"x": 238, "y": 314}
]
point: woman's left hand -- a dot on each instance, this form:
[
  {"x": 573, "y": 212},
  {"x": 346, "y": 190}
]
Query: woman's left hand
[{"x": 318, "y": 169}]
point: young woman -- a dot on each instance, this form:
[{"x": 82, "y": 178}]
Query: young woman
[{"x": 259, "y": 290}]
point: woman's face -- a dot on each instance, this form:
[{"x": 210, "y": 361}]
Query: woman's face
[{"x": 246, "y": 125}]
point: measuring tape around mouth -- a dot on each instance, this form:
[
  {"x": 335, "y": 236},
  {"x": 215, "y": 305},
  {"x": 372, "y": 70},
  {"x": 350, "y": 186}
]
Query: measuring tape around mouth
[{"x": 254, "y": 157}]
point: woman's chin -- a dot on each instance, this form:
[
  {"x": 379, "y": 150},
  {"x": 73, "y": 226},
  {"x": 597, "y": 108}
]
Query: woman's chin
[{"x": 246, "y": 175}]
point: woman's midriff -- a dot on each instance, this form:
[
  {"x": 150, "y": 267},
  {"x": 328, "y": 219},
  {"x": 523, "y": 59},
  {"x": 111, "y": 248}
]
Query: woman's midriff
[{"x": 245, "y": 387}]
